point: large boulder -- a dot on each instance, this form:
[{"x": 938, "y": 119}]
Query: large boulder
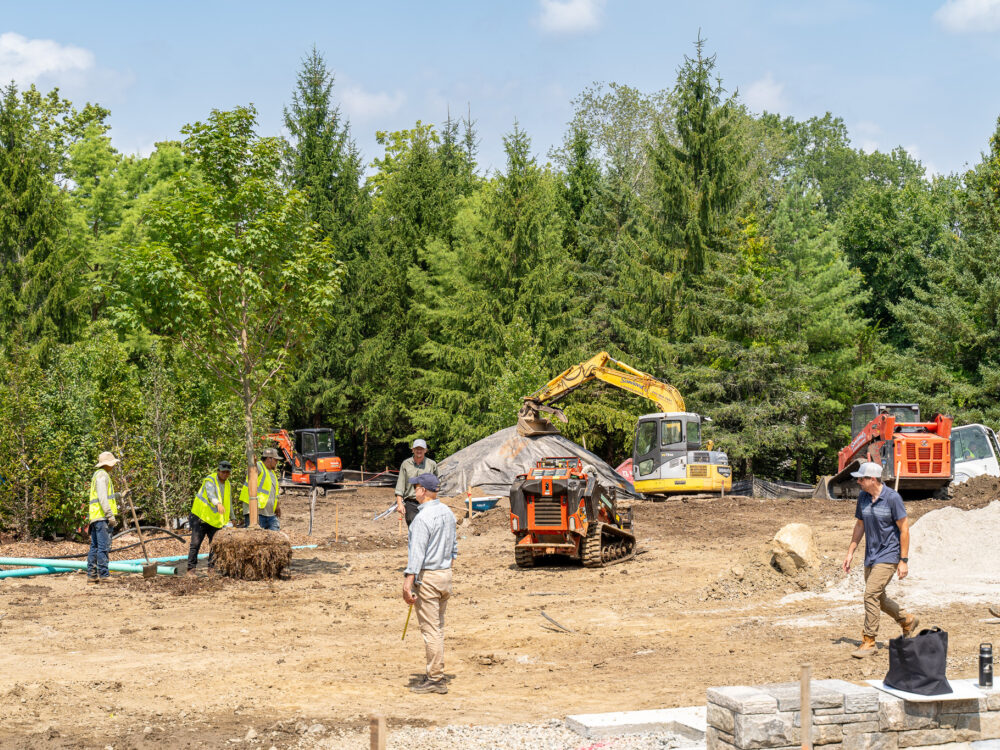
[{"x": 794, "y": 549}]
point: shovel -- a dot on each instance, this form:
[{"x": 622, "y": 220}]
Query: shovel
[{"x": 149, "y": 568}]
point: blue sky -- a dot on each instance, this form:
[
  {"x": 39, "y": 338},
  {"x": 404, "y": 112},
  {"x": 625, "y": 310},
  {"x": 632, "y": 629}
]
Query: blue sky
[{"x": 920, "y": 74}]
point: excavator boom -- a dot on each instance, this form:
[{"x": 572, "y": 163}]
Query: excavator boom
[{"x": 530, "y": 421}]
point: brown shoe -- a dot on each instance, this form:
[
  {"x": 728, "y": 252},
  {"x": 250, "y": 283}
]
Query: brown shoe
[
  {"x": 867, "y": 648},
  {"x": 910, "y": 625},
  {"x": 430, "y": 686},
  {"x": 92, "y": 580}
]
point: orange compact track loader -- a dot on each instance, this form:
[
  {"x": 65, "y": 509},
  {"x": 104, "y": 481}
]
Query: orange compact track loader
[
  {"x": 914, "y": 455},
  {"x": 558, "y": 509},
  {"x": 310, "y": 458}
]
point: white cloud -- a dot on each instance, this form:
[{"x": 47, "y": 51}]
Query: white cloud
[
  {"x": 867, "y": 134},
  {"x": 26, "y": 60},
  {"x": 766, "y": 94},
  {"x": 570, "y": 16},
  {"x": 962, "y": 16},
  {"x": 366, "y": 105}
]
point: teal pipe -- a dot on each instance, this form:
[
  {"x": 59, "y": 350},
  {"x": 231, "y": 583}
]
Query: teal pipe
[
  {"x": 52, "y": 567},
  {"x": 25, "y": 572},
  {"x": 120, "y": 567}
]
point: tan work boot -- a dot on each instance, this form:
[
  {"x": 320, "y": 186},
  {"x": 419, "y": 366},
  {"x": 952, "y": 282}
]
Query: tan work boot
[
  {"x": 867, "y": 647},
  {"x": 910, "y": 625}
]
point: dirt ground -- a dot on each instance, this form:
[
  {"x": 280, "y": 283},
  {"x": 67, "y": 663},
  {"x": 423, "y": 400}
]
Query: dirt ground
[{"x": 207, "y": 662}]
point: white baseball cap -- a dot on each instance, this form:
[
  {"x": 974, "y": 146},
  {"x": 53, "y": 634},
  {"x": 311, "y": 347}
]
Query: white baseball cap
[
  {"x": 868, "y": 469},
  {"x": 419, "y": 443}
]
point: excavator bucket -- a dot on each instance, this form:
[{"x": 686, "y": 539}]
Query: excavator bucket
[{"x": 530, "y": 422}]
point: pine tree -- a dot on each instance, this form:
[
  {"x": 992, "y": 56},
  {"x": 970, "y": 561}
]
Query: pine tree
[
  {"x": 323, "y": 161},
  {"x": 39, "y": 271}
]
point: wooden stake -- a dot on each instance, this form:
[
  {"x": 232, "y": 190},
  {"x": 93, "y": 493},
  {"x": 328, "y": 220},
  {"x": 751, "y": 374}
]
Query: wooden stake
[
  {"x": 805, "y": 707},
  {"x": 378, "y": 732},
  {"x": 400, "y": 528},
  {"x": 312, "y": 508},
  {"x": 899, "y": 466},
  {"x": 336, "y": 537}
]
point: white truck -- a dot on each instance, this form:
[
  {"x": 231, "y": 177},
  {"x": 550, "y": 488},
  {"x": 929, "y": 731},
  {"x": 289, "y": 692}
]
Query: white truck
[{"x": 975, "y": 451}]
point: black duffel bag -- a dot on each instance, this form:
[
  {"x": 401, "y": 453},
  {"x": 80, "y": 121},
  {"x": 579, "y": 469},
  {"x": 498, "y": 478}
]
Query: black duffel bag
[{"x": 917, "y": 664}]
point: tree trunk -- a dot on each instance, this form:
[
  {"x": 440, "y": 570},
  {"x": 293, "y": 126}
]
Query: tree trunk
[{"x": 251, "y": 461}]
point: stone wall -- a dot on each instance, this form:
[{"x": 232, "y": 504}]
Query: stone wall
[{"x": 845, "y": 716}]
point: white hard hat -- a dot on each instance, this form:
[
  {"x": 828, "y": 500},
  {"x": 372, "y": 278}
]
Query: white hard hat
[
  {"x": 868, "y": 469},
  {"x": 106, "y": 459}
]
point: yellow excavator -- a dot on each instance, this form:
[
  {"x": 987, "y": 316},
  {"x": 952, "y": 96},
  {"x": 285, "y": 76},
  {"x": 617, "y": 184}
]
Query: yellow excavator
[{"x": 667, "y": 454}]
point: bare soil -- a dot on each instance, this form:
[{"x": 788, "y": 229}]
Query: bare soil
[{"x": 197, "y": 662}]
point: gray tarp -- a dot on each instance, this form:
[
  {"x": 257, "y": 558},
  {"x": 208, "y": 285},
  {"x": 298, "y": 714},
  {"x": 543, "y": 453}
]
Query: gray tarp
[{"x": 493, "y": 463}]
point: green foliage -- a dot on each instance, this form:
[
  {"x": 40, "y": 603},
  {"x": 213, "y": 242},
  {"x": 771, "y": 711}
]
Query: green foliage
[
  {"x": 39, "y": 272},
  {"x": 232, "y": 266},
  {"x": 163, "y": 306}
]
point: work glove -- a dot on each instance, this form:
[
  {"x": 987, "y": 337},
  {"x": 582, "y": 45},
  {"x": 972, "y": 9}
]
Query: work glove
[
  {"x": 111, "y": 521},
  {"x": 277, "y": 512}
]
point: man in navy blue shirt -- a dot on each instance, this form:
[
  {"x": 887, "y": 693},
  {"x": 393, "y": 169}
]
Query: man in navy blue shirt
[{"x": 881, "y": 519}]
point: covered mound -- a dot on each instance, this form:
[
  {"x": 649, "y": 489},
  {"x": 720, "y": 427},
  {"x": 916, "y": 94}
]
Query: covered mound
[
  {"x": 492, "y": 464},
  {"x": 251, "y": 554}
]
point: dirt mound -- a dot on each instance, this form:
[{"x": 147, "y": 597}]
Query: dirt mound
[
  {"x": 179, "y": 585},
  {"x": 491, "y": 464},
  {"x": 977, "y": 492},
  {"x": 752, "y": 573},
  {"x": 251, "y": 554}
]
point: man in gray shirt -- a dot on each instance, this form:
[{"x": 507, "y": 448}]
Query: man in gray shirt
[
  {"x": 432, "y": 548},
  {"x": 406, "y": 499}
]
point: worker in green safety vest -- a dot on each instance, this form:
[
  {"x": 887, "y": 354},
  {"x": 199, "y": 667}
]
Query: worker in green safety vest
[
  {"x": 209, "y": 513},
  {"x": 102, "y": 509},
  {"x": 268, "y": 491}
]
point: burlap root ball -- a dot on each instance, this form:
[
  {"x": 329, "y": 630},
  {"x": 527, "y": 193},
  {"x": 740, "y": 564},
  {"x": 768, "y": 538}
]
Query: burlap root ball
[{"x": 251, "y": 554}]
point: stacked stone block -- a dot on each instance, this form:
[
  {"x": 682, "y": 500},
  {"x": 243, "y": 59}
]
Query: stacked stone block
[{"x": 845, "y": 716}]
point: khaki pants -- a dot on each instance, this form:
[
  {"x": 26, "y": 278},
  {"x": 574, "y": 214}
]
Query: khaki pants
[
  {"x": 432, "y": 600},
  {"x": 877, "y": 577}
]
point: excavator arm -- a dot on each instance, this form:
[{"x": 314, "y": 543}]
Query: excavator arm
[{"x": 531, "y": 422}]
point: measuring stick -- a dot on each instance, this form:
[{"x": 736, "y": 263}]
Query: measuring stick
[{"x": 410, "y": 612}]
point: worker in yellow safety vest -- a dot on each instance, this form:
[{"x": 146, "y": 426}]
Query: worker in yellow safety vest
[
  {"x": 102, "y": 509},
  {"x": 209, "y": 513},
  {"x": 268, "y": 491}
]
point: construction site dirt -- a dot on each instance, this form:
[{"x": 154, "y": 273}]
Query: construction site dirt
[{"x": 209, "y": 662}]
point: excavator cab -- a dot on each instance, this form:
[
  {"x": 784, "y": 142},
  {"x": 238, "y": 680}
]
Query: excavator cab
[
  {"x": 668, "y": 456},
  {"x": 310, "y": 457}
]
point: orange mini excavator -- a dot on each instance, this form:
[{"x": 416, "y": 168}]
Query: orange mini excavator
[
  {"x": 914, "y": 455},
  {"x": 310, "y": 458}
]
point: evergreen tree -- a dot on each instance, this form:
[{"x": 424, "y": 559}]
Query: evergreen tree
[
  {"x": 39, "y": 272},
  {"x": 323, "y": 161}
]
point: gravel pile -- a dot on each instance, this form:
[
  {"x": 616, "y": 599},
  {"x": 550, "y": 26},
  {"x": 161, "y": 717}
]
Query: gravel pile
[{"x": 552, "y": 735}]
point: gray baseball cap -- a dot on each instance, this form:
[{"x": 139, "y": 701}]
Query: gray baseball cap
[{"x": 868, "y": 469}]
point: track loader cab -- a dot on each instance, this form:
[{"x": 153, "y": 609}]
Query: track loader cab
[
  {"x": 668, "y": 457},
  {"x": 975, "y": 451}
]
